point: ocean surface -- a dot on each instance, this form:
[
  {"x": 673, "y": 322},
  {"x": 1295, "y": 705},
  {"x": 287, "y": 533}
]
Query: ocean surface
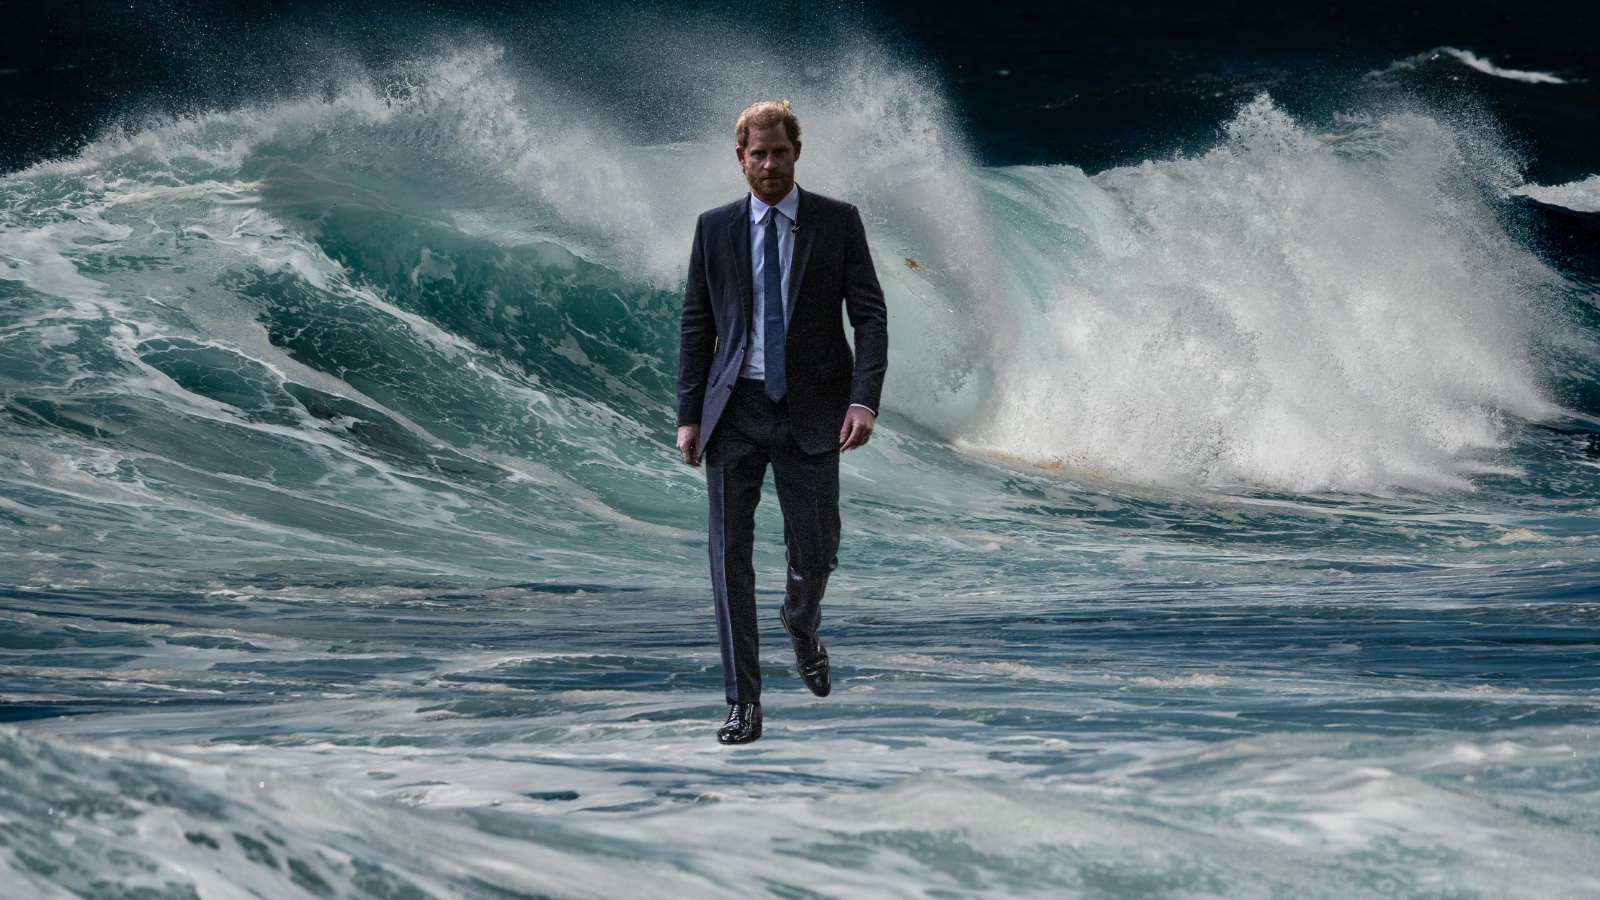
[{"x": 1231, "y": 530}]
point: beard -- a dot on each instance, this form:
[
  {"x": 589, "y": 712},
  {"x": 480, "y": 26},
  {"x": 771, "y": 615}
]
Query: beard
[{"x": 769, "y": 185}]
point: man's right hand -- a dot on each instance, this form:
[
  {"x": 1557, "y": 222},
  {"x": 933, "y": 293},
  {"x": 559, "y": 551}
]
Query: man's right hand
[{"x": 689, "y": 443}]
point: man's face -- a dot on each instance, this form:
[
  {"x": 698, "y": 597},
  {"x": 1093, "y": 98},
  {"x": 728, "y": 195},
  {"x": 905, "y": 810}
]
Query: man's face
[{"x": 768, "y": 159}]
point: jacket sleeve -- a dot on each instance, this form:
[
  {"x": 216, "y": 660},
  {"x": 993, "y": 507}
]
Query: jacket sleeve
[
  {"x": 698, "y": 339},
  {"x": 869, "y": 316}
]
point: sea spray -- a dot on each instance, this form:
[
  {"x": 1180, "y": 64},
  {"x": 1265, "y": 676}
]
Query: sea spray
[{"x": 1298, "y": 311}]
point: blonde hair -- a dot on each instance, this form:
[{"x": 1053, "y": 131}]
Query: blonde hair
[{"x": 767, "y": 114}]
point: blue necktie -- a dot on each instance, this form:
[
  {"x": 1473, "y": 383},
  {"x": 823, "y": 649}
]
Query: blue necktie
[{"x": 772, "y": 311}]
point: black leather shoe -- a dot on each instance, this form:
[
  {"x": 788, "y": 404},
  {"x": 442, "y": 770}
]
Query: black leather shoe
[
  {"x": 811, "y": 658},
  {"x": 743, "y": 725}
]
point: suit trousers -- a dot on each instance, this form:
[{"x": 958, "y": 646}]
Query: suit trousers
[{"x": 753, "y": 432}]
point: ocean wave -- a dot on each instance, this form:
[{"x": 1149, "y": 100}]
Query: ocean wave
[
  {"x": 428, "y": 319},
  {"x": 1298, "y": 310},
  {"x": 1473, "y": 61},
  {"x": 1579, "y": 196},
  {"x": 90, "y": 819},
  {"x": 1295, "y": 812}
]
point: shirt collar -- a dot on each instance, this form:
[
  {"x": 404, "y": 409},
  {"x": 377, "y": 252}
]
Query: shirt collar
[{"x": 789, "y": 206}]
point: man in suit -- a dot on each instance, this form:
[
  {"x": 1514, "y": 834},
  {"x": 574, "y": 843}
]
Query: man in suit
[{"x": 765, "y": 375}]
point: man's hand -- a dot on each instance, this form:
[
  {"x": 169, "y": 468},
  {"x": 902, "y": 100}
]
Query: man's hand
[
  {"x": 857, "y": 428},
  {"x": 689, "y": 443}
]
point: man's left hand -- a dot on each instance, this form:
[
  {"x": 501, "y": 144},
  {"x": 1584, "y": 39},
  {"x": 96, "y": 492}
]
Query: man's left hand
[{"x": 858, "y": 423}]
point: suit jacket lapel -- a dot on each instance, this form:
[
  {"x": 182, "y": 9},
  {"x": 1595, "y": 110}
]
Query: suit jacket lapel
[
  {"x": 739, "y": 233},
  {"x": 807, "y": 224}
]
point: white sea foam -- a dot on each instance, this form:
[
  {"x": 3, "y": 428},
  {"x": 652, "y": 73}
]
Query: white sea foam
[
  {"x": 1488, "y": 68},
  {"x": 1581, "y": 196},
  {"x": 1294, "y": 813},
  {"x": 1280, "y": 311},
  {"x": 1468, "y": 58}
]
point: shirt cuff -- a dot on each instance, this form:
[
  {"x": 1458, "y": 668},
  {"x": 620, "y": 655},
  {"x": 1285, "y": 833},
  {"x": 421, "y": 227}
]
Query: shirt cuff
[{"x": 867, "y": 408}]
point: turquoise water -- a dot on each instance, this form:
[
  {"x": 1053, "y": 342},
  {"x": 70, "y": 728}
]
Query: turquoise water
[{"x": 1230, "y": 529}]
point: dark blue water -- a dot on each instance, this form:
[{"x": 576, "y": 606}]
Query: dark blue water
[{"x": 1231, "y": 529}]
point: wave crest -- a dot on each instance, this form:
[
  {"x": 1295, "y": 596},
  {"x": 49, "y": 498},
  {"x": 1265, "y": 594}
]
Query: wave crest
[{"x": 1291, "y": 310}]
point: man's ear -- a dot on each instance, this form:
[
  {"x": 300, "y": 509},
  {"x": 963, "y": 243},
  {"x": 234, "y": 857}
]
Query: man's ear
[
  {"x": 739, "y": 152},
  {"x": 796, "y": 149}
]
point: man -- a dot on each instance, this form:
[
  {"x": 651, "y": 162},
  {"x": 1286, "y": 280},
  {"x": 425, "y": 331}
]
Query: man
[{"x": 765, "y": 376}]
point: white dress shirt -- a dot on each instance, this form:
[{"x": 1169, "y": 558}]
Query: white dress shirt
[{"x": 755, "y": 354}]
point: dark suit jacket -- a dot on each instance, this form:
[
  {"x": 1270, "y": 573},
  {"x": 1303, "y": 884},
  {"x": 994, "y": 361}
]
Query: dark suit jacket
[{"x": 831, "y": 265}]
